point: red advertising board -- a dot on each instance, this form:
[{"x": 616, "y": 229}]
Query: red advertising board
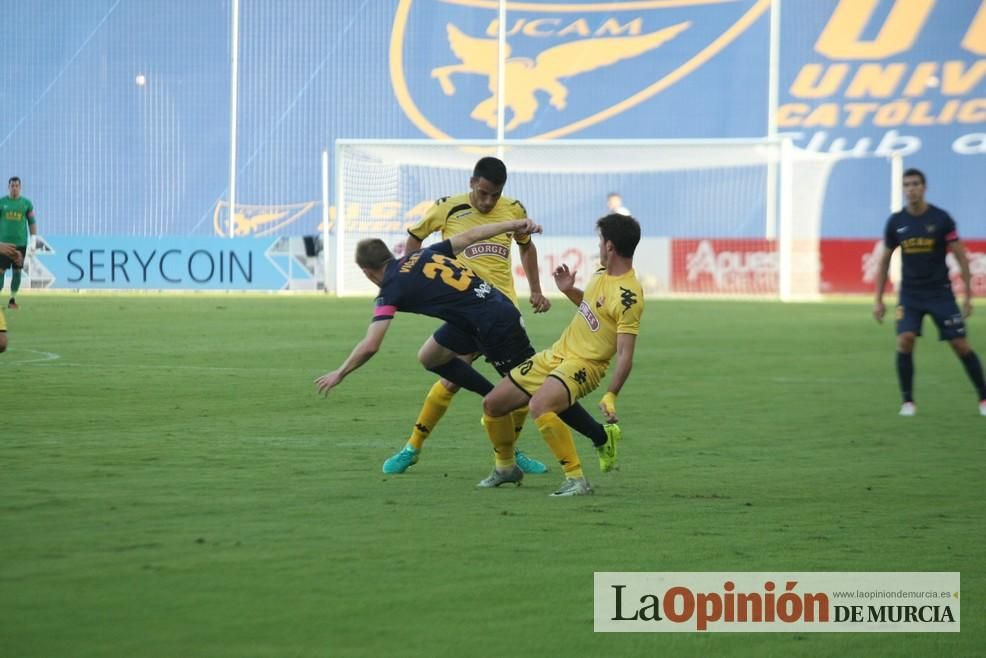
[
  {"x": 849, "y": 266},
  {"x": 745, "y": 267}
]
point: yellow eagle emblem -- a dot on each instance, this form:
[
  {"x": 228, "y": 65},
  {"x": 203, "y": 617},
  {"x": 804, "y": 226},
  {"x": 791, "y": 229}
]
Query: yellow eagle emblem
[{"x": 479, "y": 56}]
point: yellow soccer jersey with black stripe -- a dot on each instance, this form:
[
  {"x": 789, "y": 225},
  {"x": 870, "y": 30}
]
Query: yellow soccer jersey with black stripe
[
  {"x": 492, "y": 258},
  {"x": 610, "y": 305}
]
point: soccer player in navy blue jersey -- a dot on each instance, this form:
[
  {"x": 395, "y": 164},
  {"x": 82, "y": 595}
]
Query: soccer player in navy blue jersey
[
  {"x": 431, "y": 282},
  {"x": 925, "y": 234}
]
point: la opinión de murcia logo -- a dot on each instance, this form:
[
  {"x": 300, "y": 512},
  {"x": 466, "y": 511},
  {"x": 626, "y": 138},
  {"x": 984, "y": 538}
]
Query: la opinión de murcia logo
[{"x": 683, "y": 605}]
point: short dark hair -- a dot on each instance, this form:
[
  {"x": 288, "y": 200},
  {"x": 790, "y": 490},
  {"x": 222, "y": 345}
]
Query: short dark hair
[
  {"x": 492, "y": 169},
  {"x": 914, "y": 172},
  {"x": 613, "y": 194},
  {"x": 622, "y": 230},
  {"x": 372, "y": 253},
  {"x": 14, "y": 178}
]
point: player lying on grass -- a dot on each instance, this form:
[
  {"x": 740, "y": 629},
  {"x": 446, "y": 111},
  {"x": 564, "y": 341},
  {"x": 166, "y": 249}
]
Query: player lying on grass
[
  {"x": 606, "y": 324},
  {"x": 430, "y": 282}
]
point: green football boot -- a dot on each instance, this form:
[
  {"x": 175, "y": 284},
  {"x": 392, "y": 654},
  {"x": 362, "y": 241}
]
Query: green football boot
[
  {"x": 607, "y": 451},
  {"x": 402, "y": 461}
]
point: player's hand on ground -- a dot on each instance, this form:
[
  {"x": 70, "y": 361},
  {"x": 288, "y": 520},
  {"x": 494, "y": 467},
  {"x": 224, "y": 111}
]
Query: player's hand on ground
[
  {"x": 879, "y": 310},
  {"x": 608, "y": 406},
  {"x": 327, "y": 382},
  {"x": 564, "y": 278},
  {"x": 539, "y": 302}
]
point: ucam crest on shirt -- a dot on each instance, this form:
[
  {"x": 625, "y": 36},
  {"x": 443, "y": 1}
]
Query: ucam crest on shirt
[{"x": 584, "y": 59}]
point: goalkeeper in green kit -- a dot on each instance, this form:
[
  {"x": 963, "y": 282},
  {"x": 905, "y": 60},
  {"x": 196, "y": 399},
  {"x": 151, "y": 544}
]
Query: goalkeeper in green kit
[{"x": 17, "y": 227}]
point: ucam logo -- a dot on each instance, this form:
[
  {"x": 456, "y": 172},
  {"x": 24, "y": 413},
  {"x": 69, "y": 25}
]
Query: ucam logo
[{"x": 567, "y": 66}]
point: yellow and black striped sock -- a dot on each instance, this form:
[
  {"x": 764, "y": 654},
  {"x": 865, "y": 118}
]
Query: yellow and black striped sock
[
  {"x": 434, "y": 407},
  {"x": 559, "y": 438},
  {"x": 500, "y": 429}
]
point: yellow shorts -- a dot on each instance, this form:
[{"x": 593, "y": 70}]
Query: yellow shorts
[
  {"x": 3, "y": 322},
  {"x": 579, "y": 376}
]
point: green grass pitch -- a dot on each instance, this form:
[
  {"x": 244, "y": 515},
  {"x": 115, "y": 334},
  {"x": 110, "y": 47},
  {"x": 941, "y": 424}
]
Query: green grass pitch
[{"x": 170, "y": 484}]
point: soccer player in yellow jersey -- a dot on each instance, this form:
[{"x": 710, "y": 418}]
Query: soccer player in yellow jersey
[
  {"x": 491, "y": 260},
  {"x": 606, "y": 325}
]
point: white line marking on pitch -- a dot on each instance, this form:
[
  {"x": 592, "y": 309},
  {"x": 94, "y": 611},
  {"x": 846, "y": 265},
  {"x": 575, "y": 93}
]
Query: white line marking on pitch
[
  {"x": 146, "y": 366},
  {"x": 45, "y": 357}
]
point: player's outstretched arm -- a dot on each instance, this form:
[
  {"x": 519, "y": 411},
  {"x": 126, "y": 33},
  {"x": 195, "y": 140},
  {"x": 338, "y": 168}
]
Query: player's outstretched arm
[
  {"x": 565, "y": 280},
  {"x": 362, "y": 353},
  {"x": 625, "y": 345},
  {"x": 529, "y": 261},
  {"x": 958, "y": 250},
  {"x": 411, "y": 245},
  {"x": 879, "y": 309},
  {"x": 475, "y": 234}
]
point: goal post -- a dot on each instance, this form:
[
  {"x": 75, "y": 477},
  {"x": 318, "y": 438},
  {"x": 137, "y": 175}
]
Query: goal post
[{"x": 705, "y": 206}]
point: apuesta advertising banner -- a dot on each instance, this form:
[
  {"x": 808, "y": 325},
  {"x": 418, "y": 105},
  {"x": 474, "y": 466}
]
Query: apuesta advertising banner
[{"x": 115, "y": 263}]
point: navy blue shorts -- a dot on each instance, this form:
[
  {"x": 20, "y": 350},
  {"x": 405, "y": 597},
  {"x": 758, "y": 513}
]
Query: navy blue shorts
[
  {"x": 509, "y": 348},
  {"x": 506, "y": 347},
  {"x": 943, "y": 310},
  {"x": 453, "y": 338}
]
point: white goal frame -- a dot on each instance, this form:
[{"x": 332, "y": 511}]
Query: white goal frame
[{"x": 779, "y": 202}]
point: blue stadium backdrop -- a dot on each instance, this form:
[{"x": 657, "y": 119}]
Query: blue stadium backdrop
[{"x": 117, "y": 112}]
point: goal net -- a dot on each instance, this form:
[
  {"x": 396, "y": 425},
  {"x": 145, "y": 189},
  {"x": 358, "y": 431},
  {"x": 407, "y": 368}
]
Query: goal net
[{"x": 718, "y": 217}]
